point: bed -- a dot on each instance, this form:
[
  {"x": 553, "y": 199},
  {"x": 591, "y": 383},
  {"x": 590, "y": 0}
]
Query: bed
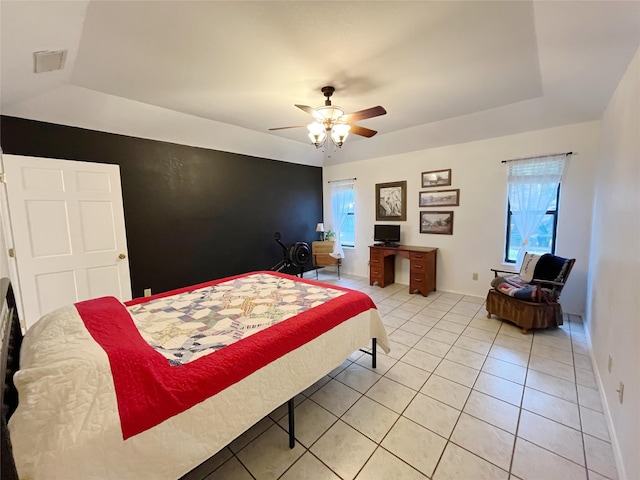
[{"x": 154, "y": 387}]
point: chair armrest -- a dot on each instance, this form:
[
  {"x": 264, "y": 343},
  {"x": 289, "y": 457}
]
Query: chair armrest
[
  {"x": 548, "y": 282},
  {"x": 496, "y": 270}
]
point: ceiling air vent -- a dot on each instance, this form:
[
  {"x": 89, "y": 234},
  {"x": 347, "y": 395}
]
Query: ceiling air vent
[{"x": 48, "y": 61}]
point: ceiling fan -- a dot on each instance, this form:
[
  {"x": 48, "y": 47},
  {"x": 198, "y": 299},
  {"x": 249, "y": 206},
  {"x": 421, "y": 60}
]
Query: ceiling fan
[{"x": 331, "y": 121}]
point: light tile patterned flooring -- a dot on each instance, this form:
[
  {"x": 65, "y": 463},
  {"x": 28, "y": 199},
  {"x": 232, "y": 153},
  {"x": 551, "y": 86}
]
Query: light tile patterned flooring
[{"x": 458, "y": 397}]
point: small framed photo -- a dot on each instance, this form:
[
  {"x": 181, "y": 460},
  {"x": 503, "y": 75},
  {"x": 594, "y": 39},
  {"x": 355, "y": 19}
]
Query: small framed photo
[
  {"x": 436, "y": 178},
  {"x": 391, "y": 201},
  {"x": 436, "y": 222},
  {"x": 440, "y": 198}
]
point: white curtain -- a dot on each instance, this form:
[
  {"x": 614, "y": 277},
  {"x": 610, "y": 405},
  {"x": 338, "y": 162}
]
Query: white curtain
[
  {"x": 533, "y": 184},
  {"x": 339, "y": 210}
]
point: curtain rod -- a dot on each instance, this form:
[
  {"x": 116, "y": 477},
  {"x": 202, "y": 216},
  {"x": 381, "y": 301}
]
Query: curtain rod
[
  {"x": 343, "y": 180},
  {"x": 537, "y": 156}
]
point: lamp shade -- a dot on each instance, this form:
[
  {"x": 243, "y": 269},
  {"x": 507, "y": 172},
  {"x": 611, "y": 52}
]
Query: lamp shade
[
  {"x": 320, "y": 227},
  {"x": 339, "y": 133},
  {"x": 317, "y": 133}
]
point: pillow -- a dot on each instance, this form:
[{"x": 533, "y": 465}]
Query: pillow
[
  {"x": 528, "y": 266},
  {"x": 551, "y": 267}
]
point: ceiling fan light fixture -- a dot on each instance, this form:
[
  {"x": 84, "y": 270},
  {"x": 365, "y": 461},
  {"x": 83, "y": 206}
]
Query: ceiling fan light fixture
[
  {"x": 339, "y": 133},
  {"x": 317, "y": 133},
  {"x": 329, "y": 114},
  {"x": 331, "y": 121}
]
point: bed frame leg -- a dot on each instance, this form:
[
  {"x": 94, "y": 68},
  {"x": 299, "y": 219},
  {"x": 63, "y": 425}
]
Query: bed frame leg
[
  {"x": 374, "y": 343},
  {"x": 292, "y": 433}
]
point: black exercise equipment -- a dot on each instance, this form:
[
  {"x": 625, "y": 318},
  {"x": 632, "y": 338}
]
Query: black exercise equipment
[{"x": 298, "y": 255}]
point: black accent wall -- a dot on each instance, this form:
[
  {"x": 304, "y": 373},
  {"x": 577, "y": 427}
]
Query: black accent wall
[{"x": 191, "y": 214}]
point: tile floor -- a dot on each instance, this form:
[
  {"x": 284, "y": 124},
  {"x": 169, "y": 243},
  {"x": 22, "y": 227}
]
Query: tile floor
[{"x": 458, "y": 397}]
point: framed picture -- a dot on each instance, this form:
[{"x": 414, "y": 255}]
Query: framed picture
[
  {"x": 436, "y": 222},
  {"x": 440, "y": 198},
  {"x": 436, "y": 178},
  {"x": 391, "y": 201}
]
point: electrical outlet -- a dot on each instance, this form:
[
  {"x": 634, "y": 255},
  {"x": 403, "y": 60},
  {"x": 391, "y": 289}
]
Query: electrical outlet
[
  {"x": 610, "y": 364},
  {"x": 475, "y": 276},
  {"x": 620, "y": 391},
  {"x": 147, "y": 292}
]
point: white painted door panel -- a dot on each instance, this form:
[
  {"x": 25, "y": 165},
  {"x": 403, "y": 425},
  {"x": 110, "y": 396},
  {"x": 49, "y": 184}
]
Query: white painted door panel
[{"x": 68, "y": 229}]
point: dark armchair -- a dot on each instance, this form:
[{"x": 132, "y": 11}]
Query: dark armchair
[{"x": 530, "y": 298}]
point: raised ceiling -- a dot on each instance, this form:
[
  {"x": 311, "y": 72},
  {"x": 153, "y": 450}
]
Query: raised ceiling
[{"x": 220, "y": 74}]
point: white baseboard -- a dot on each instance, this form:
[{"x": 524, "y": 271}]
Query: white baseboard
[{"x": 615, "y": 446}]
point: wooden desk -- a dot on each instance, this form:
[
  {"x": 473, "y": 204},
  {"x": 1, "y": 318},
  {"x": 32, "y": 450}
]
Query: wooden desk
[{"x": 422, "y": 266}]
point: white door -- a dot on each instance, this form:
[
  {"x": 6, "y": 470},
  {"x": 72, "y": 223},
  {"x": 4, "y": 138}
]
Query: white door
[{"x": 67, "y": 223}]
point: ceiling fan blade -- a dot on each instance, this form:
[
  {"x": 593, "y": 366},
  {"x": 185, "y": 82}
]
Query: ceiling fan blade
[
  {"x": 364, "y": 114},
  {"x": 364, "y": 132},
  {"x": 307, "y": 109},
  {"x": 284, "y": 128}
]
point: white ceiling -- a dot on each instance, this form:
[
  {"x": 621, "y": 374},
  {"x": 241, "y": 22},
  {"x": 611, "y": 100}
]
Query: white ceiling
[{"x": 220, "y": 74}]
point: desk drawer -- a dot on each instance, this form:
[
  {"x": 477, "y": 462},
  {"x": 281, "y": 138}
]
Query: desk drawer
[
  {"x": 418, "y": 266},
  {"x": 420, "y": 256},
  {"x": 418, "y": 282},
  {"x": 376, "y": 277},
  {"x": 375, "y": 262},
  {"x": 376, "y": 273},
  {"x": 375, "y": 253}
]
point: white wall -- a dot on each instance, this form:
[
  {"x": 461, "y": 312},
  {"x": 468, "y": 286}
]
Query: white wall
[
  {"x": 613, "y": 309},
  {"x": 477, "y": 243}
]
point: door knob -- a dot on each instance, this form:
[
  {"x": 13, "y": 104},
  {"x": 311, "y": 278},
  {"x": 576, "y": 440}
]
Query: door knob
[{"x": 122, "y": 256}]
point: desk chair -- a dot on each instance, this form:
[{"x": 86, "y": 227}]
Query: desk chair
[{"x": 320, "y": 253}]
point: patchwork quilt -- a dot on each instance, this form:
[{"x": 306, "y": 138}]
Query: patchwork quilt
[
  {"x": 515, "y": 286},
  {"x": 189, "y": 325}
]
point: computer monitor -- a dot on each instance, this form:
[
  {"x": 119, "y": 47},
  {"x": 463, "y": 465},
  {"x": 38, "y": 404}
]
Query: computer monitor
[{"x": 386, "y": 234}]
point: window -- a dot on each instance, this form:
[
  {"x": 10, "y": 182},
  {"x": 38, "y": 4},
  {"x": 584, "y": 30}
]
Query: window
[
  {"x": 543, "y": 240},
  {"x": 533, "y": 194},
  {"x": 348, "y": 229},
  {"x": 343, "y": 203}
]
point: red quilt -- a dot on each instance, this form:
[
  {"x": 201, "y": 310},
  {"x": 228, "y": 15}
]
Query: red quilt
[{"x": 149, "y": 390}]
